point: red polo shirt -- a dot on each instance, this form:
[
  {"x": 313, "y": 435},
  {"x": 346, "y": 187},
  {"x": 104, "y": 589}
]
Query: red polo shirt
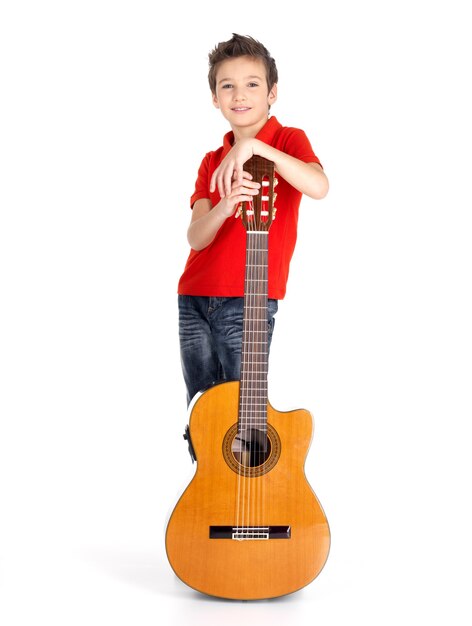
[{"x": 218, "y": 269}]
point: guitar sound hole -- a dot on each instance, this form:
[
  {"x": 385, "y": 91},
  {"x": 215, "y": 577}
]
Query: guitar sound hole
[{"x": 251, "y": 447}]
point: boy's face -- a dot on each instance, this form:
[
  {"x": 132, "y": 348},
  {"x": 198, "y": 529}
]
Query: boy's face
[{"x": 242, "y": 94}]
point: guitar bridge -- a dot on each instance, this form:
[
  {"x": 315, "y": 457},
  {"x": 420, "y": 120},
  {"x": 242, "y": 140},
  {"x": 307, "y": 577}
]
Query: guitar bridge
[{"x": 244, "y": 533}]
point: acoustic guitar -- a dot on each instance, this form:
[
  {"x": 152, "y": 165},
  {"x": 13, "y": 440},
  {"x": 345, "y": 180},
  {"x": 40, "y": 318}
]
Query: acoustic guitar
[{"x": 249, "y": 526}]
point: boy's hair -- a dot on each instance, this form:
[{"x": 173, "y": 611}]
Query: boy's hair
[{"x": 240, "y": 46}]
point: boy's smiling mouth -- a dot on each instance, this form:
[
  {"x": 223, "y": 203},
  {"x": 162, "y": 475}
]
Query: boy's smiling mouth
[{"x": 241, "y": 109}]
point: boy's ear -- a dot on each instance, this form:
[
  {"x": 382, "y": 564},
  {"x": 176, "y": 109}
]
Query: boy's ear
[
  {"x": 272, "y": 97},
  {"x": 215, "y": 101}
]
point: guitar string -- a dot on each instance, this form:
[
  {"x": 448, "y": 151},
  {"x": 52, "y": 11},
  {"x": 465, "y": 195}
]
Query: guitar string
[
  {"x": 256, "y": 395},
  {"x": 264, "y": 345},
  {"x": 264, "y": 246},
  {"x": 250, "y": 352},
  {"x": 264, "y": 394},
  {"x": 260, "y": 288},
  {"x": 240, "y": 427},
  {"x": 249, "y": 368},
  {"x": 242, "y": 408},
  {"x": 259, "y": 394},
  {"x": 253, "y": 288}
]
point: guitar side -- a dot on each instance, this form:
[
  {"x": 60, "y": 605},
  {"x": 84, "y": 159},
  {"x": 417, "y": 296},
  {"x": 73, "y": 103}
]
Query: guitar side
[{"x": 277, "y": 495}]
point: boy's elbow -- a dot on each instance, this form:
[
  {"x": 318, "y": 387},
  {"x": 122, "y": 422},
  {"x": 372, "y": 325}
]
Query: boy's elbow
[
  {"x": 320, "y": 188},
  {"x": 194, "y": 244},
  {"x": 191, "y": 239},
  {"x": 194, "y": 241},
  {"x": 320, "y": 183},
  {"x": 323, "y": 190}
]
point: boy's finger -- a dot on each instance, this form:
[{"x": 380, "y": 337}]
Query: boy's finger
[
  {"x": 239, "y": 172},
  {"x": 227, "y": 182}
]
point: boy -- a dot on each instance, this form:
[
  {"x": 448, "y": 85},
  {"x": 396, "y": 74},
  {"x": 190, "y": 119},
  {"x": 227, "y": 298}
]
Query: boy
[{"x": 243, "y": 83}]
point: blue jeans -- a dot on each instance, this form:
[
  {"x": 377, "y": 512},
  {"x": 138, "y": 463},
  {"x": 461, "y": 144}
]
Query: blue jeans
[{"x": 211, "y": 331}]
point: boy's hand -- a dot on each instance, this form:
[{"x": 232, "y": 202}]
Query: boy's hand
[
  {"x": 231, "y": 167},
  {"x": 241, "y": 191}
]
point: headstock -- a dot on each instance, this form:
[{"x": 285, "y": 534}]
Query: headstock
[{"x": 259, "y": 214}]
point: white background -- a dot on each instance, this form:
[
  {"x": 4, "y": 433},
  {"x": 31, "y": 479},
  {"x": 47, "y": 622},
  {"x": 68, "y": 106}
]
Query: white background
[{"x": 105, "y": 116}]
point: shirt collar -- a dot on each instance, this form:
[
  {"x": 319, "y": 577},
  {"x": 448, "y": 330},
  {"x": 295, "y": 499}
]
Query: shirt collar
[{"x": 266, "y": 134}]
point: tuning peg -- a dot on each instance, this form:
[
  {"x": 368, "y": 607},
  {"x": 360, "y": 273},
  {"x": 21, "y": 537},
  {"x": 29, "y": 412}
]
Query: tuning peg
[
  {"x": 274, "y": 211},
  {"x": 276, "y": 182}
]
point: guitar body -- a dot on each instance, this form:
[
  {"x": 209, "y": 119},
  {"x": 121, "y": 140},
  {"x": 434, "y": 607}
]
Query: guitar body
[{"x": 225, "y": 493}]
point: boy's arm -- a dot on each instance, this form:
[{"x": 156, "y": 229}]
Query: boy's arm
[
  {"x": 207, "y": 220},
  {"x": 308, "y": 178}
]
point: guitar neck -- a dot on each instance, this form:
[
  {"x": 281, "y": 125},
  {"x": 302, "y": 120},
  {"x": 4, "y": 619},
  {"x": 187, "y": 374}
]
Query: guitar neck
[{"x": 254, "y": 355}]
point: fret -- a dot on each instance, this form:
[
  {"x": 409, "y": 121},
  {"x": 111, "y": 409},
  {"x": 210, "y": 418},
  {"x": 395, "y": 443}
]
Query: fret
[
  {"x": 262, "y": 361},
  {"x": 253, "y": 375},
  {"x": 257, "y": 320},
  {"x": 255, "y": 418},
  {"x": 253, "y": 352},
  {"x": 254, "y": 405},
  {"x": 253, "y": 409},
  {"x": 256, "y": 388},
  {"x": 248, "y": 406},
  {"x": 258, "y": 420},
  {"x": 248, "y": 376},
  {"x": 249, "y": 362}
]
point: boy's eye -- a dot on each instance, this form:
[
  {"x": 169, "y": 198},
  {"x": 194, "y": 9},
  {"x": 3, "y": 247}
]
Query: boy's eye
[
  {"x": 227, "y": 86},
  {"x": 253, "y": 84}
]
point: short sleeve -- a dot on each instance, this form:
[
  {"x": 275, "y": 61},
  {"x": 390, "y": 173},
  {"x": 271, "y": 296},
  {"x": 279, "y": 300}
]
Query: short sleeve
[
  {"x": 202, "y": 183},
  {"x": 298, "y": 145}
]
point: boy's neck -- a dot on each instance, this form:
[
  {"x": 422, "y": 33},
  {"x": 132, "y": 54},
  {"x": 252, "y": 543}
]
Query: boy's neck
[{"x": 249, "y": 131}]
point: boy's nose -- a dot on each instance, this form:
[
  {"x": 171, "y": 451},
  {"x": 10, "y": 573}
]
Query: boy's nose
[{"x": 239, "y": 95}]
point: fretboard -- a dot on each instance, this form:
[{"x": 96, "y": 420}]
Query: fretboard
[{"x": 254, "y": 355}]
